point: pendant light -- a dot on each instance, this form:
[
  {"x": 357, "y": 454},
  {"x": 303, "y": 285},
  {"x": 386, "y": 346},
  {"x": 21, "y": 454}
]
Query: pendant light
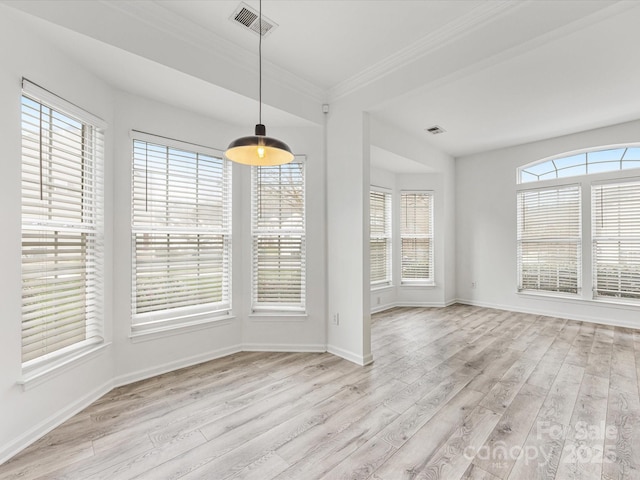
[{"x": 259, "y": 149}]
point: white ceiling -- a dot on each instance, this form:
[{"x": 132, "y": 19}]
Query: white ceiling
[
  {"x": 327, "y": 41},
  {"x": 491, "y": 73},
  {"x": 581, "y": 77}
]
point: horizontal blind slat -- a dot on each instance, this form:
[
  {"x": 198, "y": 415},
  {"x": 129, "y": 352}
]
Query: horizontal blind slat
[
  {"x": 380, "y": 237},
  {"x": 181, "y": 219},
  {"x": 549, "y": 239},
  {"x": 278, "y": 230},
  {"x": 416, "y": 234},
  {"x": 616, "y": 240},
  {"x": 61, "y": 233}
]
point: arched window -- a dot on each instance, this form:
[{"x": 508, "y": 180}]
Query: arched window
[
  {"x": 552, "y": 222},
  {"x": 585, "y": 163}
]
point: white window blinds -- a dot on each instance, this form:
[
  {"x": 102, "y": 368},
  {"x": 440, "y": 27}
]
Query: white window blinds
[
  {"x": 62, "y": 227},
  {"x": 549, "y": 240},
  {"x": 380, "y": 237},
  {"x": 181, "y": 228},
  {"x": 416, "y": 233},
  {"x": 279, "y": 242},
  {"x": 616, "y": 240}
]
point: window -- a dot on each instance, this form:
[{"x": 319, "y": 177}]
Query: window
[
  {"x": 62, "y": 228},
  {"x": 380, "y": 237},
  {"x": 416, "y": 232},
  {"x": 616, "y": 240},
  {"x": 278, "y": 231},
  {"x": 595, "y": 161},
  {"x": 550, "y": 249},
  {"x": 181, "y": 232},
  {"x": 549, "y": 240}
]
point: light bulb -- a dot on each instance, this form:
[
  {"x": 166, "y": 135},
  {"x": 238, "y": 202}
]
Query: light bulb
[{"x": 261, "y": 152}]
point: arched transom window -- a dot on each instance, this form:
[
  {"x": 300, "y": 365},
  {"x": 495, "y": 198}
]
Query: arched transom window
[{"x": 585, "y": 163}]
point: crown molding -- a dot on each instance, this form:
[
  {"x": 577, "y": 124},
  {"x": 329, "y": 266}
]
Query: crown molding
[
  {"x": 615, "y": 8},
  {"x": 479, "y": 16},
  {"x": 213, "y": 46}
]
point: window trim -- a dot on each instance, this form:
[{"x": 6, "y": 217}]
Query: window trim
[
  {"x": 430, "y": 282},
  {"x": 571, "y": 153},
  {"x": 39, "y": 369},
  {"x": 172, "y": 321},
  {"x": 388, "y": 236},
  {"x": 594, "y": 271},
  {"x": 579, "y": 242},
  {"x": 284, "y": 311},
  {"x": 586, "y": 183},
  {"x": 35, "y": 376},
  {"x": 61, "y": 104}
]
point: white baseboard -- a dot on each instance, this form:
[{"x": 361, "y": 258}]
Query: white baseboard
[
  {"x": 367, "y": 359},
  {"x": 314, "y": 348},
  {"x": 44, "y": 427},
  {"x": 38, "y": 431},
  {"x": 175, "y": 365},
  {"x": 552, "y": 313},
  {"x": 388, "y": 306},
  {"x": 350, "y": 356},
  {"x": 284, "y": 347},
  {"x": 382, "y": 308}
]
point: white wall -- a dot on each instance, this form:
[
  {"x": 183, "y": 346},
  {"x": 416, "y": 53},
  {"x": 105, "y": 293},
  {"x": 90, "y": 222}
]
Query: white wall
[
  {"x": 347, "y": 251},
  {"x": 434, "y": 296},
  {"x": 442, "y": 182},
  {"x": 486, "y": 228},
  {"x": 414, "y": 295},
  {"x": 149, "y": 355},
  {"x": 292, "y": 332},
  {"x": 26, "y": 414},
  {"x": 382, "y": 298}
]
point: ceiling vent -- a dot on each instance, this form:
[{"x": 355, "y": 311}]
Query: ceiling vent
[
  {"x": 249, "y": 19},
  {"x": 435, "y": 130}
]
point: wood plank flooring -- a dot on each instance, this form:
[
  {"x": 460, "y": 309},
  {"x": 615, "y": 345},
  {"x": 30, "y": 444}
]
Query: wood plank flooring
[{"x": 458, "y": 393}]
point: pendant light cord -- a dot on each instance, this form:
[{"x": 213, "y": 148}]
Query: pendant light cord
[{"x": 260, "y": 67}]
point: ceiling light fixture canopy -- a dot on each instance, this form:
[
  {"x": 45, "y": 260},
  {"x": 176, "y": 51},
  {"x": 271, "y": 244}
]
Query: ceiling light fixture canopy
[{"x": 259, "y": 149}]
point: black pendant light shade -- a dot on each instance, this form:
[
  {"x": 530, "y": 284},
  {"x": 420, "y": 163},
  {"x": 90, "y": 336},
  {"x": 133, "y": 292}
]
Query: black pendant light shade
[{"x": 259, "y": 150}]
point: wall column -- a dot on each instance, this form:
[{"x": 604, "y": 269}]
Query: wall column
[{"x": 349, "y": 322}]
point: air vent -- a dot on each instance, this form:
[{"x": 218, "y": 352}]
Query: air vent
[
  {"x": 249, "y": 19},
  {"x": 435, "y": 130}
]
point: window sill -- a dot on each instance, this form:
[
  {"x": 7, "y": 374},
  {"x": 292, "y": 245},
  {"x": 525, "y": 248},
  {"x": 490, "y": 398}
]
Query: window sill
[
  {"x": 536, "y": 293},
  {"x": 40, "y": 375},
  {"x": 378, "y": 288},
  {"x": 418, "y": 284},
  {"x": 599, "y": 301},
  {"x": 278, "y": 316},
  {"x": 155, "y": 330},
  {"x": 622, "y": 303}
]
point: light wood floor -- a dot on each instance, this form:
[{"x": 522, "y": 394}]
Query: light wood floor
[{"x": 454, "y": 393}]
